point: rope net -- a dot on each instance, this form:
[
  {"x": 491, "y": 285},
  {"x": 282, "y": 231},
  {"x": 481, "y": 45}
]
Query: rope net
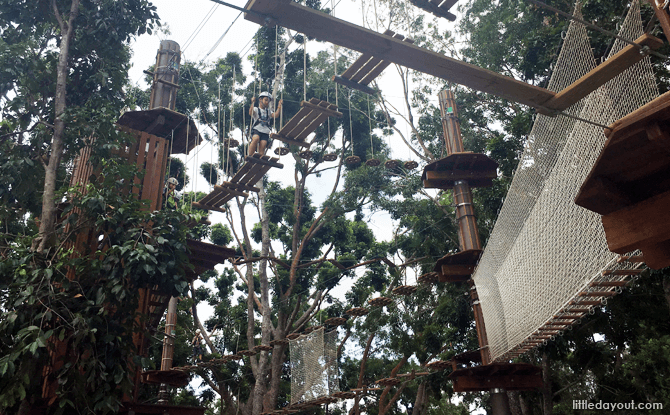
[
  {"x": 313, "y": 366},
  {"x": 545, "y": 250}
]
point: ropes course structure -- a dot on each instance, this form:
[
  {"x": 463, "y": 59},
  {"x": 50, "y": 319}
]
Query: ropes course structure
[{"x": 547, "y": 262}]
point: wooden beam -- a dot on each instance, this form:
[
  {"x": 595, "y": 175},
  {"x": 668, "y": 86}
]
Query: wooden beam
[
  {"x": 230, "y": 191},
  {"x": 327, "y": 111},
  {"x": 354, "y": 85},
  {"x": 208, "y": 207},
  {"x": 603, "y": 73},
  {"x": 449, "y": 270},
  {"x": 265, "y": 162},
  {"x": 461, "y": 174},
  {"x": 289, "y": 141},
  {"x": 328, "y": 28},
  {"x": 643, "y": 223}
]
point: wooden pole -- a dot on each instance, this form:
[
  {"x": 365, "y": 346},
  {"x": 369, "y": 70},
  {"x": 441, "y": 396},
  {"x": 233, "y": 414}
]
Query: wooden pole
[
  {"x": 168, "y": 346},
  {"x": 468, "y": 234}
]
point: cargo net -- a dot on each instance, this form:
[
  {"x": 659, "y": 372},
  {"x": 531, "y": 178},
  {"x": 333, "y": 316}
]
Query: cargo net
[
  {"x": 314, "y": 366},
  {"x": 545, "y": 250}
]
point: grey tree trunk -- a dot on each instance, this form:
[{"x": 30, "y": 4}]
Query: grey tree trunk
[{"x": 47, "y": 235}]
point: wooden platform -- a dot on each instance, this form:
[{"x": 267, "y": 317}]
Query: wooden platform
[
  {"x": 434, "y": 6},
  {"x": 508, "y": 376},
  {"x": 205, "y": 256},
  {"x": 167, "y": 124},
  {"x": 630, "y": 183},
  {"x": 245, "y": 179},
  {"x": 366, "y": 68},
  {"x": 457, "y": 267},
  {"x": 322, "y": 26},
  {"x": 311, "y": 115},
  {"x": 134, "y": 408},
  {"x": 478, "y": 170},
  {"x": 174, "y": 378}
]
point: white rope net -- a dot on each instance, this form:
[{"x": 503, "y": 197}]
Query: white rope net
[
  {"x": 313, "y": 366},
  {"x": 545, "y": 250}
]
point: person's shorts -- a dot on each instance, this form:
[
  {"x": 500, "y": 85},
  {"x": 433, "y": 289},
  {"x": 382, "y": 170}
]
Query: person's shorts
[{"x": 262, "y": 136}]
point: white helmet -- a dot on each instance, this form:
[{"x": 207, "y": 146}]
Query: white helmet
[
  {"x": 173, "y": 181},
  {"x": 265, "y": 94}
]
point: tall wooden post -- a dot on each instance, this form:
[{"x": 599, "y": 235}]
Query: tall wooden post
[
  {"x": 468, "y": 234},
  {"x": 168, "y": 346},
  {"x": 166, "y": 76}
]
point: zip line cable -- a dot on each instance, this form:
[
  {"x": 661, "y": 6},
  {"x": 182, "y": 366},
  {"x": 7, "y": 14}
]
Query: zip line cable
[
  {"x": 198, "y": 28},
  {"x": 218, "y": 42}
]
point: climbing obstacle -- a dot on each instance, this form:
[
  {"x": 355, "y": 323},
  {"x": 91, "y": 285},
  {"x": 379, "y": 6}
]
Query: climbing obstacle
[
  {"x": 254, "y": 169},
  {"x": 366, "y": 68},
  {"x": 312, "y": 114}
]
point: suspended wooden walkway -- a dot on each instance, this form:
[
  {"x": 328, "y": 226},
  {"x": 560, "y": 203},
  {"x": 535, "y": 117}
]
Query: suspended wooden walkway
[
  {"x": 434, "y": 6},
  {"x": 294, "y": 16},
  {"x": 253, "y": 170},
  {"x": 366, "y": 68},
  {"x": 309, "y": 118}
]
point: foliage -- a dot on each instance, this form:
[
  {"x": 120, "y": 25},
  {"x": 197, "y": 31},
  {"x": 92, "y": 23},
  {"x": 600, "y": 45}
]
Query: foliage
[{"x": 83, "y": 308}]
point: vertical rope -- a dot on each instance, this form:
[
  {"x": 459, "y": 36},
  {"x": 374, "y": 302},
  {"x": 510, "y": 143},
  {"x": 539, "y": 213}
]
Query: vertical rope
[
  {"x": 372, "y": 150},
  {"x": 304, "y": 67},
  {"x": 351, "y": 128}
]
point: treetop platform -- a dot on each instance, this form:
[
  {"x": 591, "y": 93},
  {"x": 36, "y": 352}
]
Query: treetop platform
[
  {"x": 508, "y": 376},
  {"x": 312, "y": 114},
  {"x": 629, "y": 183},
  {"x": 165, "y": 123},
  {"x": 457, "y": 267},
  {"x": 176, "y": 378},
  {"x": 478, "y": 170}
]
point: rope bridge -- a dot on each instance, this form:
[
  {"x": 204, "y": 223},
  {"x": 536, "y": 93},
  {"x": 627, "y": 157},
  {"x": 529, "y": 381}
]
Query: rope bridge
[{"x": 547, "y": 261}]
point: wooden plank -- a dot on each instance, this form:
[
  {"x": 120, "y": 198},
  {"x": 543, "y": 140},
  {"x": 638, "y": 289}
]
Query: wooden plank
[
  {"x": 432, "y": 7},
  {"x": 325, "y": 27},
  {"x": 323, "y": 109},
  {"x": 383, "y": 65},
  {"x": 369, "y": 65},
  {"x": 294, "y": 122},
  {"x": 374, "y": 73},
  {"x": 231, "y": 191},
  {"x": 643, "y": 223},
  {"x": 457, "y": 270},
  {"x": 603, "y": 73},
  {"x": 351, "y": 71},
  {"x": 354, "y": 85},
  {"x": 289, "y": 141},
  {"x": 461, "y": 174},
  {"x": 240, "y": 186}
]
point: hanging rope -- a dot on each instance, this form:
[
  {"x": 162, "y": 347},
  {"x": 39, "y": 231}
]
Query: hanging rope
[
  {"x": 351, "y": 128},
  {"x": 372, "y": 150},
  {"x": 304, "y": 67}
]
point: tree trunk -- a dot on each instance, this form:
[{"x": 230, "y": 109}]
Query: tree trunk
[
  {"x": 260, "y": 397},
  {"x": 547, "y": 405},
  {"x": 47, "y": 235},
  {"x": 666, "y": 289},
  {"x": 514, "y": 403}
]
